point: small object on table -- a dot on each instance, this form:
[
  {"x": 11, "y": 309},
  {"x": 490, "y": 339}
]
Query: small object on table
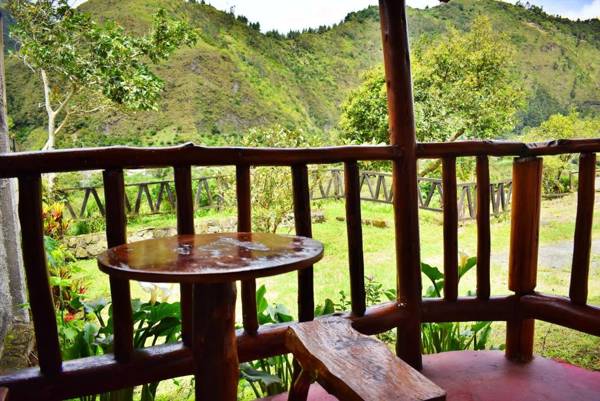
[{"x": 212, "y": 263}]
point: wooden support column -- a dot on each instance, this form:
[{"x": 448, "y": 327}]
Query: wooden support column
[
  {"x": 216, "y": 365},
  {"x": 449, "y": 200},
  {"x": 355, "y": 240},
  {"x": 185, "y": 225},
  {"x": 116, "y": 234},
  {"x": 586, "y": 192},
  {"x": 483, "y": 228},
  {"x": 524, "y": 240},
  {"x": 244, "y": 207},
  {"x": 38, "y": 285},
  {"x": 405, "y": 199},
  {"x": 303, "y": 222}
]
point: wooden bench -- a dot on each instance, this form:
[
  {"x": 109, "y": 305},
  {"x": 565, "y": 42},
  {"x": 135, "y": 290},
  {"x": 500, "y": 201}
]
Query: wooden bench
[{"x": 352, "y": 366}]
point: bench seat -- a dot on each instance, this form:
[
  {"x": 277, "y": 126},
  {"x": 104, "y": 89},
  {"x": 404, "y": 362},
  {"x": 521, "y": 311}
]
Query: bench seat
[{"x": 353, "y": 366}]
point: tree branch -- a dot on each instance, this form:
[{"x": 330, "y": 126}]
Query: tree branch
[
  {"x": 46, "y": 83},
  {"x": 63, "y": 123},
  {"x": 67, "y": 99}
]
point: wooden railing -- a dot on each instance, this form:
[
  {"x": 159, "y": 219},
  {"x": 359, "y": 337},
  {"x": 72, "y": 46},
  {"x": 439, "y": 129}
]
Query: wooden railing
[
  {"x": 375, "y": 186},
  {"x": 56, "y": 379},
  {"x": 151, "y": 197}
]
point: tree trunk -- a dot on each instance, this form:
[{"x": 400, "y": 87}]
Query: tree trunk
[
  {"x": 51, "y": 126},
  {"x": 12, "y": 259}
]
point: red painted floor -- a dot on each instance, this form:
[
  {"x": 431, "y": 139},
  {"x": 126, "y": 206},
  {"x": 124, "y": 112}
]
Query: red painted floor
[{"x": 488, "y": 376}]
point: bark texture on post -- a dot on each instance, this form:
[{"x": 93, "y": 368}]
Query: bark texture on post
[
  {"x": 11, "y": 262},
  {"x": 402, "y": 133},
  {"x": 524, "y": 241}
]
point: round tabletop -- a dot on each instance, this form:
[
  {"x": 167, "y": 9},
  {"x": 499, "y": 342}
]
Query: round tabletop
[{"x": 210, "y": 258}]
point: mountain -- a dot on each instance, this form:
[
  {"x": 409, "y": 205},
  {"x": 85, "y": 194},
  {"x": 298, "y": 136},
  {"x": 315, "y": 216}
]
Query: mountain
[{"x": 236, "y": 77}]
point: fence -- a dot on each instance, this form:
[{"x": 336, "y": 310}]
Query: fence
[{"x": 157, "y": 197}]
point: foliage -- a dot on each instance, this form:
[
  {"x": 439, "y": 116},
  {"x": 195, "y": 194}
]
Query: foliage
[
  {"x": 435, "y": 337},
  {"x": 84, "y": 64},
  {"x": 451, "y": 336},
  {"x": 559, "y": 126},
  {"x": 465, "y": 87},
  {"x": 273, "y": 375},
  {"x": 88, "y": 331},
  {"x": 54, "y": 220},
  {"x": 272, "y": 186},
  {"x": 375, "y": 294}
]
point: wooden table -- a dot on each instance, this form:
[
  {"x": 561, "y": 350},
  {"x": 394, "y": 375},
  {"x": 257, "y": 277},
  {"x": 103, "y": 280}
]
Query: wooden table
[{"x": 212, "y": 263}]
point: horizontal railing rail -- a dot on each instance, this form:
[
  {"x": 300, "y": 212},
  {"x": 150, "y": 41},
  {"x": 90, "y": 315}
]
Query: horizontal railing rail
[{"x": 58, "y": 379}]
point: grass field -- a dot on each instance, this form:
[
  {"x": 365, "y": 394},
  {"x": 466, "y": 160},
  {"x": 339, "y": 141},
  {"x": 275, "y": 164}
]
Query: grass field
[{"x": 331, "y": 275}]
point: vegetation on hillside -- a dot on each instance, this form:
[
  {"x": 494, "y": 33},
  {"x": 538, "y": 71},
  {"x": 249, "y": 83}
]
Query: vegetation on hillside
[
  {"x": 85, "y": 66},
  {"x": 236, "y": 78}
]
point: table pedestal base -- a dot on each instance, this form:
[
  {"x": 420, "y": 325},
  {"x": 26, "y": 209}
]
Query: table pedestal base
[{"x": 214, "y": 342}]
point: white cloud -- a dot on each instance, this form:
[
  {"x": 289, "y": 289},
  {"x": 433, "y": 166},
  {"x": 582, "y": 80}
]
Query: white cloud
[
  {"x": 578, "y": 9},
  {"x": 297, "y": 15},
  {"x": 423, "y": 3},
  {"x": 289, "y": 15},
  {"x": 587, "y": 11}
]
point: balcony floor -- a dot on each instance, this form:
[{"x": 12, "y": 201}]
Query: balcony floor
[{"x": 488, "y": 376}]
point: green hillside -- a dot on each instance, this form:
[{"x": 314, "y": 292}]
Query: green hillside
[{"x": 236, "y": 78}]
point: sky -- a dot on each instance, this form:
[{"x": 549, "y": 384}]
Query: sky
[{"x": 286, "y": 15}]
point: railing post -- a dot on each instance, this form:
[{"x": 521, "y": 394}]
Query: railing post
[
  {"x": 185, "y": 226},
  {"x": 244, "y": 207},
  {"x": 116, "y": 234},
  {"x": 524, "y": 239},
  {"x": 355, "y": 240},
  {"x": 449, "y": 199},
  {"x": 38, "y": 286},
  {"x": 405, "y": 199},
  {"x": 303, "y": 223},
  {"x": 483, "y": 228},
  {"x": 586, "y": 192}
]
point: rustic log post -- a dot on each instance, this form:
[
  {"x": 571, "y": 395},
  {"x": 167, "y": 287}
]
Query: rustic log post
[
  {"x": 355, "y": 240},
  {"x": 578, "y": 290},
  {"x": 185, "y": 225},
  {"x": 303, "y": 223},
  {"x": 38, "y": 285},
  {"x": 300, "y": 387},
  {"x": 116, "y": 234},
  {"x": 217, "y": 366},
  {"x": 450, "y": 229},
  {"x": 524, "y": 239},
  {"x": 483, "y": 228},
  {"x": 244, "y": 207},
  {"x": 402, "y": 133}
]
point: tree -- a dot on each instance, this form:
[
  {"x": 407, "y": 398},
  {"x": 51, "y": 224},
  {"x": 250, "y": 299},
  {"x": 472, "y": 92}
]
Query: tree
[
  {"x": 86, "y": 66},
  {"x": 272, "y": 186},
  {"x": 559, "y": 126},
  {"x": 465, "y": 87}
]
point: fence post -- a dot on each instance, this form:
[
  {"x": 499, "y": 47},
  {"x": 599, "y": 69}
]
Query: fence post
[{"x": 524, "y": 240}]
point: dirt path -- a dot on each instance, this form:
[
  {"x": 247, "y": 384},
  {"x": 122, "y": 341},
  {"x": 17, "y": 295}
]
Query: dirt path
[{"x": 556, "y": 255}]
